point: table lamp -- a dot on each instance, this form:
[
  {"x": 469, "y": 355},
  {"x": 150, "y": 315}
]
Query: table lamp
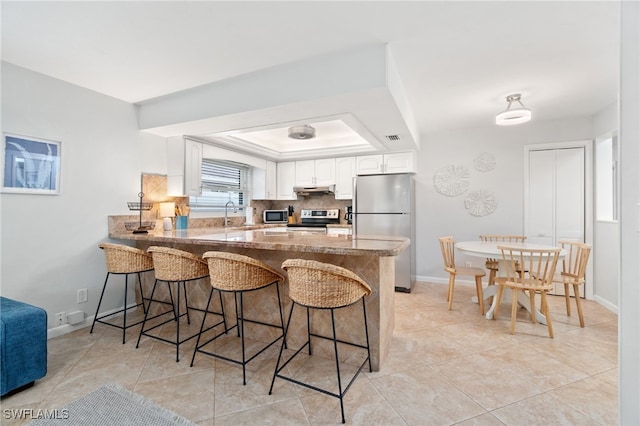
[{"x": 167, "y": 211}]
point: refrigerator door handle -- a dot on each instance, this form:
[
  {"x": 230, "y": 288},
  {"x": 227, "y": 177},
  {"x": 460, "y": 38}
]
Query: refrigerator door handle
[{"x": 354, "y": 221}]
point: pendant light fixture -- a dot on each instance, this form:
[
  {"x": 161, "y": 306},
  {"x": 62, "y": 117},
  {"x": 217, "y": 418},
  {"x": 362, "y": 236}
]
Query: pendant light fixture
[
  {"x": 517, "y": 115},
  {"x": 302, "y": 132}
]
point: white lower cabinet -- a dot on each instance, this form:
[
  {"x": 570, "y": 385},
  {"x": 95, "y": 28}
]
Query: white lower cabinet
[{"x": 338, "y": 231}]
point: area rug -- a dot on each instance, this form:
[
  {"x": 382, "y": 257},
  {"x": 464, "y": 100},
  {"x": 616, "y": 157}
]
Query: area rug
[{"x": 110, "y": 404}]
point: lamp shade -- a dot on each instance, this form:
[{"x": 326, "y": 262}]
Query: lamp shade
[{"x": 168, "y": 209}]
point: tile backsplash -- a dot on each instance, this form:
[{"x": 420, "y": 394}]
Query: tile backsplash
[
  {"x": 327, "y": 201},
  {"x": 154, "y": 188}
]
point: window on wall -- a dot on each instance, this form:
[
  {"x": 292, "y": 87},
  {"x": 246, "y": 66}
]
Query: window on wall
[
  {"x": 607, "y": 178},
  {"x": 222, "y": 181}
]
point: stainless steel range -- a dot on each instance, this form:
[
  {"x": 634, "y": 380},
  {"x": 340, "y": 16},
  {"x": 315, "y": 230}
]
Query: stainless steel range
[{"x": 315, "y": 220}]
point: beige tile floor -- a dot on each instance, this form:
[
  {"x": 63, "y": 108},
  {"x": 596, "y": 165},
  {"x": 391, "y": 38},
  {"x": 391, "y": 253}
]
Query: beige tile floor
[{"x": 444, "y": 367}]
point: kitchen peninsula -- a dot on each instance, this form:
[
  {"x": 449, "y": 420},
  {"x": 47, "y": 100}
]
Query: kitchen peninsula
[{"x": 371, "y": 257}]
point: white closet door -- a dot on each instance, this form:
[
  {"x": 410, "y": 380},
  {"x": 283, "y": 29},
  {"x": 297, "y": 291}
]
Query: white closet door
[
  {"x": 556, "y": 202},
  {"x": 570, "y": 194},
  {"x": 541, "y": 197}
]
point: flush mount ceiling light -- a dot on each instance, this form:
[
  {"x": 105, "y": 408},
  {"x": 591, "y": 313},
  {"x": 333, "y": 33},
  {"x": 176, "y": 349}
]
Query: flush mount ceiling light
[
  {"x": 302, "y": 132},
  {"x": 513, "y": 116}
]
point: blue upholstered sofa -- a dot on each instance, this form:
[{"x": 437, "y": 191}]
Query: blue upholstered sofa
[{"x": 23, "y": 344}]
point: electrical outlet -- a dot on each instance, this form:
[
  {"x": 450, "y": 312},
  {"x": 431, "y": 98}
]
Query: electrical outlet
[
  {"x": 468, "y": 263},
  {"x": 61, "y": 318},
  {"x": 81, "y": 296}
]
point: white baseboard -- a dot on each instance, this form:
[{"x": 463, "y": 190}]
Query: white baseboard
[
  {"x": 610, "y": 306},
  {"x": 68, "y": 328},
  {"x": 439, "y": 280}
]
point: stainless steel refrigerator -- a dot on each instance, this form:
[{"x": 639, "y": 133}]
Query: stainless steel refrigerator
[{"x": 384, "y": 205}]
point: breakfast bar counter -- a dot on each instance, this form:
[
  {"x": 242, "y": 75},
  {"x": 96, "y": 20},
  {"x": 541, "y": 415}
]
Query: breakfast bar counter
[{"x": 371, "y": 257}]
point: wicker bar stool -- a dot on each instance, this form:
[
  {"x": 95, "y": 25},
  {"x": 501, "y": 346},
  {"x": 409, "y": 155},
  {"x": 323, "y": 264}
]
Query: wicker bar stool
[
  {"x": 180, "y": 267},
  {"x": 238, "y": 274},
  {"x": 123, "y": 260},
  {"x": 316, "y": 285}
]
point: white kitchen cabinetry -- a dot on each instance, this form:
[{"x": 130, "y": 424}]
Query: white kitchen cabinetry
[
  {"x": 286, "y": 179},
  {"x": 193, "y": 168},
  {"x": 398, "y": 162},
  {"x": 264, "y": 182},
  {"x": 338, "y": 231},
  {"x": 184, "y": 161},
  {"x": 270, "y": 181},
  {"x": 316, "y": 172},
  {"x": 345, "y": 172}
]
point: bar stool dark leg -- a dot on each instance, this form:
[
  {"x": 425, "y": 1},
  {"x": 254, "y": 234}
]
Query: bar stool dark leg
[
  {"x": 173, "y": 305},
  {"x": 204, "y": 319},
  {"x": 366, "y": 332},
  {"x": 144, "y": 308},
  {"x": 244, "y": 362},
  {"x": 178, "y": 326},
  {"x": 284, "y": 341},
  {"x": 186, "y": 301},
  {"x": 308, "y": 331},
  {"x": 124, "y": 313},
  {"x": 335, "y": 348},
  {"x": 104, "y": 287},
  {"x": 146, "y": 315},
  {"x": 278, "y": 368}
]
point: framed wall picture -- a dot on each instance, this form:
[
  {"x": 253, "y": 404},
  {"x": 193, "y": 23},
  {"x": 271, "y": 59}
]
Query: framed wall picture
[{"x": 30, "y": 165}]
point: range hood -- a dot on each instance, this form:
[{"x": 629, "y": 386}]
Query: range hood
[{"x": 314, "y": 190}]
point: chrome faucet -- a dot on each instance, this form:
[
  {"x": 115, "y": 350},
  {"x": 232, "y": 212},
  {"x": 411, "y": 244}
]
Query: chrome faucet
[{"x": 226, "y": 211}]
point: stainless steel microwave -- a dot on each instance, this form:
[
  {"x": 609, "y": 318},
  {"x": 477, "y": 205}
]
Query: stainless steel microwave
[{"x": 274, "y": 216}]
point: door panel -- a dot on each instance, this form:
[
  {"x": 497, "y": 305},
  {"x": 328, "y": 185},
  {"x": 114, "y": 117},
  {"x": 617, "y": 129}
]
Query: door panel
[{"x": 556, "y": 203}]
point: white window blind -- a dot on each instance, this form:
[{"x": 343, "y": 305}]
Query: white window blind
[{"x": 222, "y": 181}]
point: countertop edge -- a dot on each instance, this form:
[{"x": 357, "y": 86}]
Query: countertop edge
[{"x": 402, "y": 244}]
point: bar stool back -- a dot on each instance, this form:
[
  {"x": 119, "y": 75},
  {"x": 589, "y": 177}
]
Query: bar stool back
[
  {"x": 316, "y": 285},
  {"x": 179, "y": 267},
  {"x": 237, "y": 274},
  {"x": 123, "y": 260}
]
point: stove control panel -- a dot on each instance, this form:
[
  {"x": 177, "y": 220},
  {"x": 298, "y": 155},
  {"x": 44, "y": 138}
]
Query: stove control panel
[{"x": 320, "y": 214}]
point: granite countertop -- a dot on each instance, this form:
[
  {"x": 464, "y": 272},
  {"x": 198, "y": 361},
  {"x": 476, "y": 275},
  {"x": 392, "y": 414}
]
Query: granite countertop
[{"x": 273, "y": 238}]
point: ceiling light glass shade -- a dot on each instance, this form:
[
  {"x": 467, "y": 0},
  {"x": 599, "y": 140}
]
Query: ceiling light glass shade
[
  {"x": 510, "y": 116},
  {"x": 302, "y": 132}
]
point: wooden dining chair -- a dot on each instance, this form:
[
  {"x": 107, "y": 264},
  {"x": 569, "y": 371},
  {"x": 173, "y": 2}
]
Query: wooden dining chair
[
  {"x": 492, "y": 264},
  {"x": 541, "y": 264},
  {"x": 574, "y": 266},
  {"x": 447, "y": 245}
]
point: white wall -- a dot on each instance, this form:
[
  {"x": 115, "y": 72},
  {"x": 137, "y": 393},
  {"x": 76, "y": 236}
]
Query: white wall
[
  {"x": 629, "y": 318},
  {"x": 440, "y": 215},
  {"x": 606, "y": 240},
  {"x": 50, "y": 242}
]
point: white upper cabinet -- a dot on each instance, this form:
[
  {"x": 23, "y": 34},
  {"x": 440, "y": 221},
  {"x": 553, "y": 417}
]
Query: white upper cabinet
[
  {"x": 345, "y": 172},
  {"x": 264, "y": 182},
  {"x": 286, "y": 179},
  {"x": 184, "y": 161},
  {"x": 316, "y": 172},
  {"x": 270, "y": 181},
  {"x": 398, "y": 162},
  {"x": 193, "y": 168}
]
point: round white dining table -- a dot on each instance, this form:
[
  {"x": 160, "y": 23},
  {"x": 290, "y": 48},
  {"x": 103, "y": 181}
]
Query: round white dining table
[{"x": 489, "y": 249}]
